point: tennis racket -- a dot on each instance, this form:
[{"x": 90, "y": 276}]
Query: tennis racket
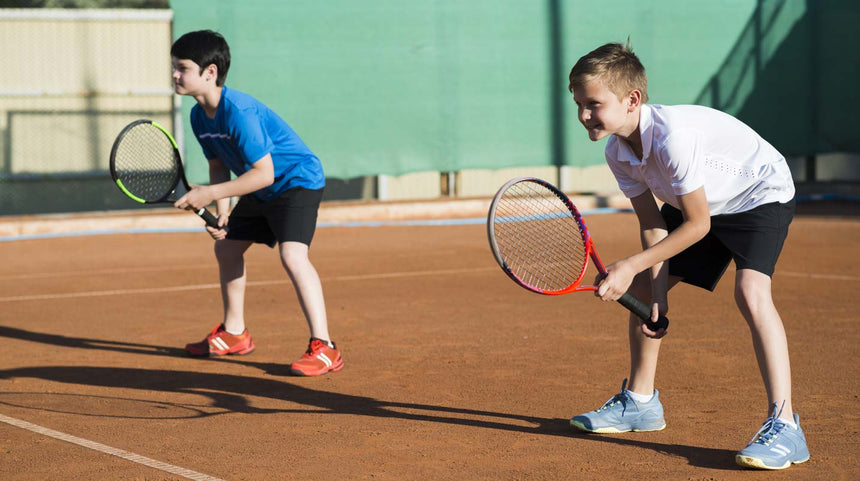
[
  {"x": 146, "y": 166},
  {"x": 540, "y": 240}
]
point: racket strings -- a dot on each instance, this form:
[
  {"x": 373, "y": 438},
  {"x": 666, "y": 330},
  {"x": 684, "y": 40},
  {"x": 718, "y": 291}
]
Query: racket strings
[
  {"x": 146, "y": 163},
  {"x": 538, "y": 237}
]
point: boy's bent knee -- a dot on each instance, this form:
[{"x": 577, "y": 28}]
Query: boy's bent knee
[
  {"x": 753, "y": 291},
  {"x": 640, "y": 288},
  {"x": 230, "y": 249},
  {"x": 752, "y": 285},
  {"x": 294, "y": 254}
]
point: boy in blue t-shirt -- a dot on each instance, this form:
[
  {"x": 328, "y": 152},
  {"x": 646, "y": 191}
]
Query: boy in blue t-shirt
[{"x": 280, "y": 182}]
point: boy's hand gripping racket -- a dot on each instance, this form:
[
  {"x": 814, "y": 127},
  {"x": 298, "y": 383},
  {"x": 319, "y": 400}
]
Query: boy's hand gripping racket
[
  {"x": 540, "y": 240},
  {"x": 146, "y": 166}
]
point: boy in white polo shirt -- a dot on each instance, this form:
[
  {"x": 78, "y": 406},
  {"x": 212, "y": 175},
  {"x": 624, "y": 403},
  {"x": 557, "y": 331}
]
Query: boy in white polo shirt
[{"x": 728, "y": 195}]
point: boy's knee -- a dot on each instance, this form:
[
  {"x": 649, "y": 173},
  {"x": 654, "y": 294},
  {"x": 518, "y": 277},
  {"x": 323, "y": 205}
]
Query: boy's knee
[
  {"x": 641, "y": 286},
  {"x": 294, "y": 256},
  {"x": 752, "y": 290},
  {"x": 226, "y": 250},
  {"x": 220, "y": 249}
]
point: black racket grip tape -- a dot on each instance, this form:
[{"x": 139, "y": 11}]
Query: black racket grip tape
[
  {"x": 210, "y": 219},
  {"x": 643, "y": 311}
]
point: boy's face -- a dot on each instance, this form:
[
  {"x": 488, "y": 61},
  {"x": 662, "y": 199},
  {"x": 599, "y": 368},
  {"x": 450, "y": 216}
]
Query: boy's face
[
  {"x": 601, "y": 112},
  {"x": 187, "y": 77}
]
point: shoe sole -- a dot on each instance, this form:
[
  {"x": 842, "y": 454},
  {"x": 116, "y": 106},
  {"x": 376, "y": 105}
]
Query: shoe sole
[
  {"x": 613, "y": 430},
  {"x": 751, "y": 462},
  {"x": 333, "y": 368}
]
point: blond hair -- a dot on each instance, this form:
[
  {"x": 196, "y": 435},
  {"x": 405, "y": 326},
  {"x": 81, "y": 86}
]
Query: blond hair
[{"x": 616, "y": 65}]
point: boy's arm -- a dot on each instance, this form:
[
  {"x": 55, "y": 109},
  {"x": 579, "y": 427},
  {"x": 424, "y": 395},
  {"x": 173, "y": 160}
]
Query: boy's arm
[
  {"x": 652, "y": 229},
  {"x": 697, "y": 223},
  {"x": 260, "y": 175},
  {"x": 219, "y": 173}
]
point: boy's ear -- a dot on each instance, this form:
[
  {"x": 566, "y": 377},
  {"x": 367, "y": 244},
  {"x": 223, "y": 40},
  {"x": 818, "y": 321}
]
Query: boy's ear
[
  {"x": 211, "y": 71},
  {"x": 634, "y": 99}
]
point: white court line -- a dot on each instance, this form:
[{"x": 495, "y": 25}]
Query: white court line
[
  {"x": 830, "y": 277},
  {"x": 98, "y": 272},
  {"x": 197, "y": 287},
  {"x": 135, "y": 458}
]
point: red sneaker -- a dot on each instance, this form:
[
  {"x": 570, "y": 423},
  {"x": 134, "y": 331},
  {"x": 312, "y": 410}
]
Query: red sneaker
[
  {"x": 319, "y": 359},
  {"x": 220, "y": 342}
]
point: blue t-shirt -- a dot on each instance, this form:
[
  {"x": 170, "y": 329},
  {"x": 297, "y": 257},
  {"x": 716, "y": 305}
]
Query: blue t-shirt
[{"x": 244, "y": 130}]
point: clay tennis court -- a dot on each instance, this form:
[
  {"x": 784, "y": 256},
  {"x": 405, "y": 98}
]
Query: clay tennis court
[{"x": 452, "y": 371}]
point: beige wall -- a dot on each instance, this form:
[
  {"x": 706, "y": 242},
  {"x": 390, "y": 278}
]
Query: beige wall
[
  {"x": 60, "y": 67},
  {"x": 81, "y": 51},
  {"x": 70, "y": 80}
]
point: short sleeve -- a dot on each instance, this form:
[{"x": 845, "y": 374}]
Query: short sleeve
[{"x": 251, "y": 137}]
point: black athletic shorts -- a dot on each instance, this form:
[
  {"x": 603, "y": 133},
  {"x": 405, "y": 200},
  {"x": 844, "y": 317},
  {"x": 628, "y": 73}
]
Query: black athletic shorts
[
  {"x": 753, "y": 239},
  {"x": 291, "y": 217}
]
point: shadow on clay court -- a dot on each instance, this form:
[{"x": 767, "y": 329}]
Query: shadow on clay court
[
  {"x": 231, "y": 394},
  {"x": 83, "y": 343}
]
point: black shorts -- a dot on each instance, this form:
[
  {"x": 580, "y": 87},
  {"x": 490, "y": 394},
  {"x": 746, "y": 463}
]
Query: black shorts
[
  {"x": 753, "y": 239},
  {"x": 291, "y": 217}
]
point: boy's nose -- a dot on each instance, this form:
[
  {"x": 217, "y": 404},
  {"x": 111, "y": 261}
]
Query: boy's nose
[{"x": 584, "y": 116}]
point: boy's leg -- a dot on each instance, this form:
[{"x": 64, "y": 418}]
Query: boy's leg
[
  {"x": 644, "y": 350},
  {"x": 753, "y": 297},
  {"x": 292, "y": 219},
  {"x": 637, "y": 407},
  {"x": 756, "y": 238},
  {"x": 780, "y": 442},
  {"x": 643, "y": 358},
  {"x": 322, "y": 355},
  {"x": 231, "y": 267},
  {"x": 229, "y": 337},
  {"x": 294, "y": 257}
]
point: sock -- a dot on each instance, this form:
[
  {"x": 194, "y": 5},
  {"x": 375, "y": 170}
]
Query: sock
[
  {"x": 789, "y": 423},
  {"x": 640, "y": 398},
  {"x": 234, "y": 333}
]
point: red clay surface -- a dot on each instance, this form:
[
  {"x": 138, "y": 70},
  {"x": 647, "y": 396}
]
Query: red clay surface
[{"x": 452, "y": 371}]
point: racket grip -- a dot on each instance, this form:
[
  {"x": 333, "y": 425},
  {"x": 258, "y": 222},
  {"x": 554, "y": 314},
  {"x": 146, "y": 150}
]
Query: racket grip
[
  {"x": 639, "y": 308},
  {"x": 210, "y": 219}
]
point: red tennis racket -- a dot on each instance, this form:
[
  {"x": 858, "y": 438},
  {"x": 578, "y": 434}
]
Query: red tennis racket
[{"x": 540, "y": 240}]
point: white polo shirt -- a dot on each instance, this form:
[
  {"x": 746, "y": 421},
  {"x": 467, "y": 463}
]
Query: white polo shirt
[{"x": 685, "y": 147}]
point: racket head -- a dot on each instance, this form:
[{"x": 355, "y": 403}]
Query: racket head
[
  {"x": 538, "y": 237},
  {"x": 145, "y": 163}
]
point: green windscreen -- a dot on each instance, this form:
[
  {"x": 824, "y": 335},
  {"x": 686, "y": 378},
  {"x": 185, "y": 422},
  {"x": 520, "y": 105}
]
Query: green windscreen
[{"x": 392, "y": 87}]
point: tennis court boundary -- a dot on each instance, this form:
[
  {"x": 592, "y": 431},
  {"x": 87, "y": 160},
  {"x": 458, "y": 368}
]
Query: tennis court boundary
[{"x": 104, "y": 449}]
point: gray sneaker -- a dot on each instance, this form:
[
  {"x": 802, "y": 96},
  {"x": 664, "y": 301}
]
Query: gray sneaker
[
  {"x": 622, "y": 414},
  {"x": 775, "y": 446}
]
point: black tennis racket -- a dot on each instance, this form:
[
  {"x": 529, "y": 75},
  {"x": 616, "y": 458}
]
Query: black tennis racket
[
  {"x": 540, "y": 240},
  {"x": 146, "y": 166}
]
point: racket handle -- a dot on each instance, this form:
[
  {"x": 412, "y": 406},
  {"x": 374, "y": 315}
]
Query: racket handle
[
  {"x": 643, "y": 311},
  {"x": 210, "y": 219}
]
